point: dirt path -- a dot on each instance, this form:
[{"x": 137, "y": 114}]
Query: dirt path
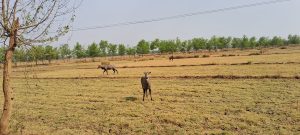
[
  {"x": 173, "y": 77},
  {"x": 209, "y": 64}
]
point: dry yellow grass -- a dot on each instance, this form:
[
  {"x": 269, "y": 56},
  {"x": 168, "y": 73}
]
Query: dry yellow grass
[
  {"x": 238, "y": 70},
  {"x": 99, "y": 106},
  {"x": 87, "y": 102}
]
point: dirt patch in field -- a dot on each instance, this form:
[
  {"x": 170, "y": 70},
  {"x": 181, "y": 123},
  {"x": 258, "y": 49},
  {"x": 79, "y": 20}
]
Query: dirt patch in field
[
  {"x": 212, "y": 64},
  {"x": 208, "y": 64},
  {"x": 130, "y": 98},
  {"x": 175, "y": 77}
]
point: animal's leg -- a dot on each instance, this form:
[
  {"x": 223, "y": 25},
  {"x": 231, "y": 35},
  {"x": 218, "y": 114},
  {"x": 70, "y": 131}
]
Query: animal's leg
[
  {"x": 106, "y": 72},
  {"x": 103, "y": 72},
  {"x": 144, "y": 94},
  {"x": 150, "y": 94},
  {"x": 115, "y": 70}
]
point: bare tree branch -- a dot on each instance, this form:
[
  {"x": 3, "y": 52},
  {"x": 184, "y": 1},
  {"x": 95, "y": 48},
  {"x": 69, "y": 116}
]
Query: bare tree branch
[
  {"x": 48, "y": 14},
  {"x": 5, "y": 21}
]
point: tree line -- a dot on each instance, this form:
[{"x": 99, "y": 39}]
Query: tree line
[{"x": 104, "y": 48}]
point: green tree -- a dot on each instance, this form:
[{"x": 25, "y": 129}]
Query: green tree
[
  {"x": 65, "y": 51},
  {"x": 224, "y": 42},
  {"x": 31, "y": 55},
  {"x": 172, "y": 46},
  {"x": 50, "y": 53},
  {"x": 169, "y": 46},
  {"x": 131, "y": 51},
  {"x": 245, "y": 42},
  {"x": 252, "y": 42},
  {"x": 263, "y": 42},
  {"x": 103, "y": 46},
  {"x": 294, "y": 39},
  {"x": 154, "y": 44},
  {"x": 198, "y": 43},
  {"x": 143, "y": 47},
  {"x": 178, "y": 43},
  {"x": 121, "y": 49},
  {"x": 112, "y": 49},
  {"x": 79, "y": 51},
  {"x": 93, "y": 50},
  {"x": 163, "y": 46},
  {"x": 214, "y": 43},
  {"x": 189, "y": 46},
  {"x": 236, "y": 43},
  {"x": 19, "y": 55},
  {"x": 37, "y": 53},
  {"x": 55, "y": 53},
  {"x": 183, "y": 46},
  {"x": 277, "y": 41}
]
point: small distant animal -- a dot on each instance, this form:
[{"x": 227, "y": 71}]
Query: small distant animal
[
  {"x": 105, "y": 68},
  {"x": 146, "y": 85},
  {"x": 171, "y": 58}
]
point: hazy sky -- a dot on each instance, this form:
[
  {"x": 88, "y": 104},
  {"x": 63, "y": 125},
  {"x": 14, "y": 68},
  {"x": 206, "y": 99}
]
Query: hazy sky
[{"x": 268, "y": 20}]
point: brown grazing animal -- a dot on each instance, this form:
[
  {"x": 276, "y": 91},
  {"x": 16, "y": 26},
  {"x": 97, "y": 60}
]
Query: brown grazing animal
[
  {"x": 171, "y": 58},
  {"x": 146, "y": 85},
  {"x": 105, "y": 68}
]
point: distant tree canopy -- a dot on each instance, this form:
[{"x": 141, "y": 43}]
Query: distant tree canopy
[
  {"x": 112, "y": 50},
  {"x": 52, "y": 53},
  {"x": 65, "y": 51},
  {"x": 143, "y": 47},
  {"x": 293, "y": 39},
  {"x": 121, "y": 50},
  {"x": 104, "y": 48},
  {"x": 131, "y": 51},
  {"x": 263, "y": 42},
  {"x": 154, "y": 44},
  {"x": 93, "y": 50},
  {"x": 79, "y": 51}
]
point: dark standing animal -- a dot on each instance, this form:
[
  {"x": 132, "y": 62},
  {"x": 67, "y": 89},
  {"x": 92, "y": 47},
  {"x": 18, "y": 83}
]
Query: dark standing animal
[
  {"x": 171, "y": 58},
  {"x": 146, "y": 85},
  {"x": 105, "y": 68}
]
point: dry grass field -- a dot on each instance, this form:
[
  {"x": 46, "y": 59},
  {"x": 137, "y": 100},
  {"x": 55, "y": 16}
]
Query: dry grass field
[{"x": 220, "y": 94}]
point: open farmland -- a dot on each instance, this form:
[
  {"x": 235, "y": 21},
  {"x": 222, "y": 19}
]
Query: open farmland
[{"x": 241, "y": 94}]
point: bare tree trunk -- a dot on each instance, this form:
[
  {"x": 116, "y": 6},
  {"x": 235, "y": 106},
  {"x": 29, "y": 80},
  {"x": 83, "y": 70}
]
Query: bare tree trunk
[
  {"x": 8, "y": 97},
  {"x": 7, "y": 90}
]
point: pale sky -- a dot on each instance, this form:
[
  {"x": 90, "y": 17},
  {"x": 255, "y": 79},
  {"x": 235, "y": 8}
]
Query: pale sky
[{"x": 278, "y": 19}]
